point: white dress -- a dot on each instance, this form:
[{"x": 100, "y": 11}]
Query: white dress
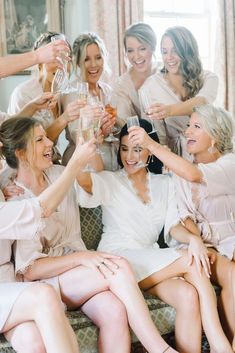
[
  {"x": 131, "y": 227},
  {"x": 18, "y": 220},
  {"x": 211, "y": 204}
]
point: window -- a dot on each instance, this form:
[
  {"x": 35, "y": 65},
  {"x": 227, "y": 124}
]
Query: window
[{"x": 197, "y": 16}]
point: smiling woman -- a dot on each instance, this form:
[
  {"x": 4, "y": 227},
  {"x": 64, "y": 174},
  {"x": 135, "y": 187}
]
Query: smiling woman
[{"x": 140, "y": 44}]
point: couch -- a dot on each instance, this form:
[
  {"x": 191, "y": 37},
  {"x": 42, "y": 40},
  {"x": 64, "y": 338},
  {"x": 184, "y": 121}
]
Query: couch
[{"x": 163, "y": 315}]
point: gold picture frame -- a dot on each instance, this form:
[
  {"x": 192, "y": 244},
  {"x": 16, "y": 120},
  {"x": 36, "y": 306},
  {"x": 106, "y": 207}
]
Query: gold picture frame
[{"x": 21, "y": 23}]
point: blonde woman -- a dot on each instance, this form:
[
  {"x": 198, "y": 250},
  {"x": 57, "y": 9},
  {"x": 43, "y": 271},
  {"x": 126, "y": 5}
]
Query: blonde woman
[
  {"x": 206, "y": 198},
  {"x": 31, "y": 314},
  {"x": 90, "y": 60}
]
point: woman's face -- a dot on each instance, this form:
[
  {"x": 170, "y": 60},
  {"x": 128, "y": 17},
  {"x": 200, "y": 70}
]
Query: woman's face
[
  {"x": 139, "y": 54},
  {"x": 170, "y": 58},
  {"x": 198, "y": 140},
  {"x": 41, "y": 156},
  {"x": 94, "y": 64},
  {"x": 130, "y": 155}
]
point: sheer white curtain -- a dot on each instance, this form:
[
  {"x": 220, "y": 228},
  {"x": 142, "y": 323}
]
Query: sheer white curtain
[
  {"x": 225, "y": 54},
  {"x": 109, "y": 18}
]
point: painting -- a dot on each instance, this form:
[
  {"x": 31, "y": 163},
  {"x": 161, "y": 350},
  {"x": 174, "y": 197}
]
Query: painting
[{"x": 22, "y": 22}]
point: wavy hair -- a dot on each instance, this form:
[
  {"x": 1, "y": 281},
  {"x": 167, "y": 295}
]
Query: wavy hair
[
  {"x": 219, "y": 124},
  {"x": 190, "y": 67}
]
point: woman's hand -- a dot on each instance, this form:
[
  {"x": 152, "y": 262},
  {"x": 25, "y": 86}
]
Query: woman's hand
[
  {"x": 72, "y": 111},
  {"x": 138, "y": 136},
  {"x": 52, "y": 53},
  {"x": 159, "y": 111},
  {"x": 11, "y": 190},
  {"x": 198, "y": 252},
  {"x": 84, "y": 152},
  {"x": 100, "y": 261},
  {"x": 47, "y": 100},
  {"x": 107, "y": 123}
]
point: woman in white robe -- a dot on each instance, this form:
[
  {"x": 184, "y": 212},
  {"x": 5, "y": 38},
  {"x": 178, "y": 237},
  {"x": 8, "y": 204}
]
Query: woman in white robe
[
  {"x": 206, "y": 198},
  {"x": 31, "y": 314},
  {"x": 136, "y": 204}
]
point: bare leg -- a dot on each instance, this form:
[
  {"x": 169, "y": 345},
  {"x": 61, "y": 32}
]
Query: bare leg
[
  {"x": 223, "y": 273},
  {"x": 125, "y": 287},
  {"x": 39, "y": 303},
  {"x": 103, "y": 308},
  {"x": 25, "y": 338},
  {"x": 208, "y": 306},
  {"x": 188, "y": 321}
]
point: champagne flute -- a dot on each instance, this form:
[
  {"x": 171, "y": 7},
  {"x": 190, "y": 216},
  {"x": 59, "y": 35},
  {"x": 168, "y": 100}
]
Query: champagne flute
[
  {"x": 111, "y": 108},
  {"x": 145, "y": 100},
  {"x": 82, "y": 90},
  {"x": 87, "y": 129},
  {"x": 61, "y": 82},
  {"x": 134, "y": 121}
]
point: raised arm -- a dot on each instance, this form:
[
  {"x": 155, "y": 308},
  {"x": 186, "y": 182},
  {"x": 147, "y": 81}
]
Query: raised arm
[
  {"x": 53, "y": 195},
  {"x": 9, "y": 65},
  {"x": 177, "y": 164}
]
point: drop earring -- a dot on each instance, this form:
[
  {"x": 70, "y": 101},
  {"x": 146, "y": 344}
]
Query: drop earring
[{"x": 212, "y": 149}]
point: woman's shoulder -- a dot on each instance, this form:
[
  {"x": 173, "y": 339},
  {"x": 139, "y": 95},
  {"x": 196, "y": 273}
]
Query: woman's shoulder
[{"x": 28, "y": 87}]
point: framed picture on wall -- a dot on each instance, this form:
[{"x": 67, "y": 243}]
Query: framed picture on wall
[{"x": 22, "y": 22}]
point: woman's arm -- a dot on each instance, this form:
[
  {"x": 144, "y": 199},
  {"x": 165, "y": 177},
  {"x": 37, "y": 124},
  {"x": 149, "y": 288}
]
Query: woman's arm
[
  {"x": 177, "y": 164},
  {"x": 54, "y": 194},
  {"x": 9, "y": 65},
  {"x": 162, "y": 111},
  {"x": 197, "y": 251},
  {"x": 54, "y": 266}
]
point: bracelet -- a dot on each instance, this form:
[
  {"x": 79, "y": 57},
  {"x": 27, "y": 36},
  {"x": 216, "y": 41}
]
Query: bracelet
[{"x": 166, "y": 349}]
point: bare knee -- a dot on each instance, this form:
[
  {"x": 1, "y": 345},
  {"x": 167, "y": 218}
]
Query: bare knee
[
  {"x": 29, "y": 346},
  {"x": 113, "y": 313},
  {"x": 46, "y": 298},
  {"x": 188, "y": 299}
]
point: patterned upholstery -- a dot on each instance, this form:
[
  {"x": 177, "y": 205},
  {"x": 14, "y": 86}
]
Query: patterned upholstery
[{"x": 162, "y": 314}]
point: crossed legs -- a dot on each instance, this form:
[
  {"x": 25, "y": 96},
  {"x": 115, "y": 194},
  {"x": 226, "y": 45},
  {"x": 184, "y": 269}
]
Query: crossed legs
[
  {"x": 124, "y": 297},
  {"x": 208, "y": 306},
  {"x": 38, "y": 314}
]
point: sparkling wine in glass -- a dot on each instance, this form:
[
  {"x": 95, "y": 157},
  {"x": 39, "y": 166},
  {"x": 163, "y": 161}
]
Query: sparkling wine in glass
[
  {"x": 87, "y": 129},
  {"x": 145, "y": 100},
  {"x": 111, "y": 108},
  {"x": 82, "y": 90},
  {"x": 134, "y": 121}
]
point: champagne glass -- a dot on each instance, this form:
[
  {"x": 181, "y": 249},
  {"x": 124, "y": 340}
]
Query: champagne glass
[
  {"x": 145, "y": 100},
  {"x": 87, "y": 129},
  {"x": 111, "y": 108},
  {"x": 61, "y": 82},
  {"x": 82, "y": 90},
  {"x": 134, "y": 121}
]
